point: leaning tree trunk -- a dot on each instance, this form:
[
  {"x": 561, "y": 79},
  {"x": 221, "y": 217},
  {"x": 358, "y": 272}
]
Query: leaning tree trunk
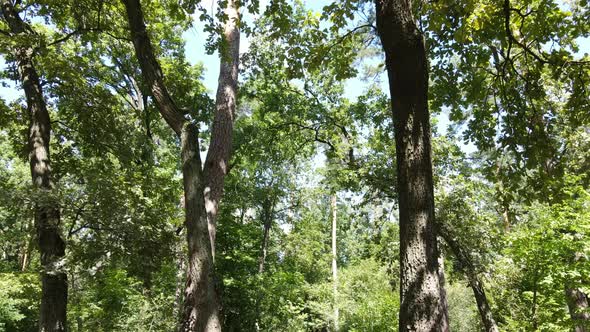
[
  {"x": 219, "y": 154},
  {"x": 475, "y": 283},
  {"x": 54, "y": 285},
  {"x": 405, "y": 58}
]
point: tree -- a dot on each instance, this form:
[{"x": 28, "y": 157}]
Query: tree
[
  {"x": 202, "y": 188},
  {"x": 54, "y": 296},
  {"x": 407, "y": 68},
  {"x": 333, "y": 206}
]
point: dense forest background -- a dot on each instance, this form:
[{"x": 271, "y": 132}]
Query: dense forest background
[{"x": 277, "y": 204}]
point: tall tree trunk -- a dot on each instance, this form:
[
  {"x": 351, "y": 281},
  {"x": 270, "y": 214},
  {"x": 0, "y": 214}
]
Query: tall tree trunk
[
  {"x": 25, "y": 254},
  {"x": 475, "y": 283},
  {"x": 200, "y": 310},
  {"x": 203, "y": 189},
  {"x": 54, "y": 285},
  {"x": 577, "y": 303},
  {"x": 219, "y": 154},
  {"x": 405, "y": 58},
  {"x": 266, "y": 233},
  {"x": 334, "y": 262}
]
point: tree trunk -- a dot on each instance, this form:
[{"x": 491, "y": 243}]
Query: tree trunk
[
  {"x": 265, "y": 236},
  {"x": 577, "y": 303},
  {"x": 475, "y": 283},
  {"x": 219, "y": 154},
  {"x": 485, "y": 312},
  {"x": 54, "y": 285},
  {"x": 200, "y": 310},
  {"x": 334, "y": 263},
  {"x": 25, "y": 254},
  {"x": 405, "y": 58}
]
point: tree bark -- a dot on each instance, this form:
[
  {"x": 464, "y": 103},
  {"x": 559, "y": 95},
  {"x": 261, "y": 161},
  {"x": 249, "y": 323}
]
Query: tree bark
[
  {"x": 200, "y": 310},
  {"x": 334, "y": 262},
  {"x": 54, "y": 285},
  {"x": 577, "y": 303},
  {"x": 485, "y": 312},
  {"x": 475, "y": 283},
  {"x": 219, "y": 153},
  {"x": 267, "y": 221},
  {"x": 405, "y": 58}
]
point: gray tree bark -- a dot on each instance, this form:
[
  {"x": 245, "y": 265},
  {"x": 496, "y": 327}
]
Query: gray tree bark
[
  {"x": 54, "y": 285},
  {"x": 405, "y": 58},
  {"x": 219, "y": 154},
  {"x": 200, "y": 310},
  {"x": 203, "y": 188}
]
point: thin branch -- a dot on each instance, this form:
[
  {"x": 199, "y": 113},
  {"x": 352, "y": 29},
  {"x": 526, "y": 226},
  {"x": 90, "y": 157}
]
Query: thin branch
[
  {"x": 84, "y": 30},
  {"x": 527, "y": 49}
]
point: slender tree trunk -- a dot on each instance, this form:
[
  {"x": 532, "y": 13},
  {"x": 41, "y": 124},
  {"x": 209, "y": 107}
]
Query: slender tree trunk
[
  {"x": 25, "y": 254},
  {"x": 334, "y": 262},
  {"x": 506, "y": 216},
  {"x": 577, "y": 303},
  {"x": 219, "y": 154},
  {"x": 265, "y": 236},
  {"x": 54, "y": 285},
  {"x": 475, "y": 283},
  {"x": 405, "y": 58},
  {"x": 485, "y": 312}
]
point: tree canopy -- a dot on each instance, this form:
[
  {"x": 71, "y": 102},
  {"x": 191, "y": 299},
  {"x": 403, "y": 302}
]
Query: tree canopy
[{"x": 386, "y": 165}]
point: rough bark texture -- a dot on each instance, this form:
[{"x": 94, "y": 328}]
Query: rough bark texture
[
  {"x": 475, "y": 283},
  {"x": 54, "y": 285},
  {"x": 150, "y": 68},
  {"x": 577, "y": 303},
  {"x": 200, "y": 310},
  {"x": 219, "y": 153},
  {"x": 407, "y": 68}
]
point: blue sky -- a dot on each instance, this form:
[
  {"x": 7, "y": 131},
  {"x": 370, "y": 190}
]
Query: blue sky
[
  {"x": 195, "y": 46},
  {"x": 195, "y": 52}
]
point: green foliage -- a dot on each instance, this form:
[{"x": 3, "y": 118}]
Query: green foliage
[
  {"x": 463, "y": 315},
  {"x": 519, "y": 204},
  {"x": 546, "y": 254},
  {"x": 19, "y": 294},
  {"x": 111, "y": 300}
]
